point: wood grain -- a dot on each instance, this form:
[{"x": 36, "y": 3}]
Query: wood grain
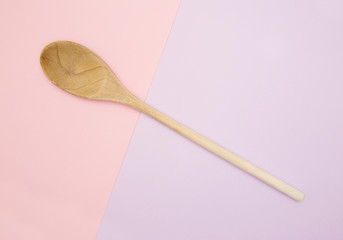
[{"x": 79, "y": 71}]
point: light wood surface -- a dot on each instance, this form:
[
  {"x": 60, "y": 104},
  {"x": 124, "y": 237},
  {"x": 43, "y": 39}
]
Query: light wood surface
[{"x": 79, "y": 71}]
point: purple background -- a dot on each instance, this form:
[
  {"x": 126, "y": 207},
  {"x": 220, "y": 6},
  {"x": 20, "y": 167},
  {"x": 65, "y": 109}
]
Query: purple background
[{"x": 265, "y": 80}]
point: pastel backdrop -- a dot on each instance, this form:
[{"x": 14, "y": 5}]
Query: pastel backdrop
[{"x": 265, "y": 82}]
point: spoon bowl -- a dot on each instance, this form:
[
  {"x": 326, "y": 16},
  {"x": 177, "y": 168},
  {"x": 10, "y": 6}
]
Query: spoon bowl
[{"x": 79, "y": 71}]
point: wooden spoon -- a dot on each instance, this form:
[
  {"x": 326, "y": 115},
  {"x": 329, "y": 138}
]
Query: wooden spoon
[{"x": 79, "y": 71}]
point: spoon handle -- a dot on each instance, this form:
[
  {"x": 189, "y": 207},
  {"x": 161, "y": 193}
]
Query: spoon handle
[{"x": 221, "y": 152}]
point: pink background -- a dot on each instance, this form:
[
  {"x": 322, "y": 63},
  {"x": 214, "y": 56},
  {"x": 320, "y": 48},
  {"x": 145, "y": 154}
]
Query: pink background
[
  {"x": 265, "y": 80},
  {"x": 59, "y": 154}
]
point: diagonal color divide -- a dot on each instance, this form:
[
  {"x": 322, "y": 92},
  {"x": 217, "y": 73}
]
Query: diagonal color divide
[{"x": 265, "y": 80}]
